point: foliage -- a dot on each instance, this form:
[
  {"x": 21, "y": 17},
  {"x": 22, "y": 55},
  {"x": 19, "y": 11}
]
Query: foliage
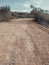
[
  {"x": 39, "y": 16},
  {"x": 5, "y": 13},
  {"x": 4, "y": 9}
]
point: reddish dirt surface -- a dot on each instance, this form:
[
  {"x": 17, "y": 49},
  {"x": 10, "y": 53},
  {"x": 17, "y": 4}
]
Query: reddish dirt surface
[{"x": 23, "y": 42}]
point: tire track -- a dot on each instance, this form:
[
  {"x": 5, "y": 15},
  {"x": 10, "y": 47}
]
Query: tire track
[
  {"x": 12, "y": 60},
  {"x": 40, "y": 59}
]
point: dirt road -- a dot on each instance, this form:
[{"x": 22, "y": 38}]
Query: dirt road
[{"x": 22, "y": 42}]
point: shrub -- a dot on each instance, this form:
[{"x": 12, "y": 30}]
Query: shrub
[
  {"x": 4, "y": 9},
  {"x": 5, "y": 13},
  {"x": 39, "y": 16}
]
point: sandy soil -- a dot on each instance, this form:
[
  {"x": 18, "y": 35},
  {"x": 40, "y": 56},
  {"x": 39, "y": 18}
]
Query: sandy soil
[{"x": 22, "y": 42}]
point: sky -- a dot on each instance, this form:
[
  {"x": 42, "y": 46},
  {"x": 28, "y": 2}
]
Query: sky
[{"x": 24, "y": 5}]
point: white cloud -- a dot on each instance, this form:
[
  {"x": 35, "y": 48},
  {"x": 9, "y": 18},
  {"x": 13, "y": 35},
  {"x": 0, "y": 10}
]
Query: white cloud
[
  {"x": 13, "y": 10},
  {"x": 26, "y": 5},
  {"x": 25, "y": 10}
]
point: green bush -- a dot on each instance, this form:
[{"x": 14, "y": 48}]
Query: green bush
[
  {"x": 39, "y": 16},
  {"x": 4, "y": 9},
  {"x": 5, "y": 13}
]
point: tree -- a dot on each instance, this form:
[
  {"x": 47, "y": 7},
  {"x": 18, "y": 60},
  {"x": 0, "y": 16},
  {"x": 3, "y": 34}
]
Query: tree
[
  {"x": 4, "y": 9},
  {"x": 39, "y": 15},
  {"x": 5, "y": 13},
  {"x": 32, "y": 7}
]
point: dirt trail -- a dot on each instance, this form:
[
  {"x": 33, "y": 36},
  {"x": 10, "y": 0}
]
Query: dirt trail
[{"x": 22, "y": 42}]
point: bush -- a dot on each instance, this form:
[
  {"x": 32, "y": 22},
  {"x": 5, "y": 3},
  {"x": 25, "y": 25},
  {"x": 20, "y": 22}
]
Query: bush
[
  {"x": 5, "y": 13},
  {"x": 4, "y": 9},
  {"x": 39, "y": 16}
]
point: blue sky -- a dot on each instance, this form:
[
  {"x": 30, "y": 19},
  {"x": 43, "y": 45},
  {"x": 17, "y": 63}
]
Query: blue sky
[{"x": 24, "y": 5}]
